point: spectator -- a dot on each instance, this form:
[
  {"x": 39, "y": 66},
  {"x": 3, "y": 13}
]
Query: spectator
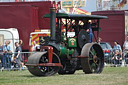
[
  {"x": 10, "y": 55},
  {"x": 6, "y": 57},
  {"x": 35, "y": 46},
  {"x": 116, "y": 58},
  {"x": 21, "y": 44},
  {"x": 125, "y": 50},
  {"x": 125, "y": 45},
  {"x": 117, "y": 47},
  {"x": 17, "y": 55},
  {"x": 9, "y": 41},
  {"x": 126, "y": 59},
  {"x": 1, "y": 55},
  {"x": 99, "y": 40}
]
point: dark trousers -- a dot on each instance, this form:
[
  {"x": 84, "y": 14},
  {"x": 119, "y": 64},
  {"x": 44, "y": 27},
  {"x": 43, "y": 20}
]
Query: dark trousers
[
  {"x": 6, "y": 61},
  {"x": 126, "y": 60},
  {"x": 117, "y": 62},
  {"x": 17, "y": 63},
  {"x": 91, "y": 37}
]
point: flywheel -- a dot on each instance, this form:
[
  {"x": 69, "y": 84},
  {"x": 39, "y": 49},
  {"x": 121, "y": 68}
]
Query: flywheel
[{"x": 83, "y": 38}]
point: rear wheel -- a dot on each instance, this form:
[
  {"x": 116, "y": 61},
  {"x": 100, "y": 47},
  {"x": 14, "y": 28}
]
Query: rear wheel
[
  {"x": 93, "y": 61},
  {"x": 41, "y": 58}
]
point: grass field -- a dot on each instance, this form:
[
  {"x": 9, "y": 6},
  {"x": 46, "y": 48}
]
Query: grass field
[{"x": 109, "y": 76}]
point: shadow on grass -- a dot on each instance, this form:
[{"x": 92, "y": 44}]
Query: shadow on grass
[
  {"x": 77, "y": 73},
  {"x": 29, "y": 76}
]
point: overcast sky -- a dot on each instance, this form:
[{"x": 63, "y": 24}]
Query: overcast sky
[{"x": 91, "y": 6}]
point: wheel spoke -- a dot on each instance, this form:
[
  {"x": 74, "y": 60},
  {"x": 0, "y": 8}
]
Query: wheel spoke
[
  {"x": 93, "y": 67},
  {"x": 94, "y": 62},
  {"x": 97, "y": 64},
  {"x": 92, "y": 52},
  {"x": 93, "y": 59}
]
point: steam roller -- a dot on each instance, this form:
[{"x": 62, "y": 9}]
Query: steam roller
[
  {"x": 70, "y": 51},
  {"x": 39, "y": 64}
]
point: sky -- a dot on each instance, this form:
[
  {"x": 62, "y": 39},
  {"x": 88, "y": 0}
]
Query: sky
[{"x": 91, "y": 6}]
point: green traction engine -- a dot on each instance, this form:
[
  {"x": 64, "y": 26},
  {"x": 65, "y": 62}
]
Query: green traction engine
[{"x": 64, "y": 52}]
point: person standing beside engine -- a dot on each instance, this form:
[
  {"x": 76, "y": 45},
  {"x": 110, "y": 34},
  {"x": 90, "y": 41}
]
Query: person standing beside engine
[
  {"x": 22, "y": 57},
  {"x": 17, "y": 56}
]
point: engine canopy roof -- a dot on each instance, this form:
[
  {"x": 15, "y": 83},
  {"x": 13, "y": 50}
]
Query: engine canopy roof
[{"x": 76, "y": 16}]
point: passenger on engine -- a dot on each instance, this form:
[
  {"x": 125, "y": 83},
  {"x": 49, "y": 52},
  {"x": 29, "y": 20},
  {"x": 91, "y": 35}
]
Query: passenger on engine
[
  {"x": 87, "y": 27},
  {"x": 76, "y": 27}
]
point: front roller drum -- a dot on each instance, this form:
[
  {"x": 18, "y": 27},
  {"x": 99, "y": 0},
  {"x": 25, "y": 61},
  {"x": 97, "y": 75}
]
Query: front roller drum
[
  {"x": 38, "y": 65},
  {"x": 92, "y": 60}
]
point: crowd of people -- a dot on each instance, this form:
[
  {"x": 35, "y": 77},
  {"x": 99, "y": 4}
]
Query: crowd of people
[
  {"x": 7, "y": 61},
  {"x": 117, "y": 54}
]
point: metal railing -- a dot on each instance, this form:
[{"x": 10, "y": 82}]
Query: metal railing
[
  {"x": 7, "y": 62},
  {"x": 123, "y": 62}
]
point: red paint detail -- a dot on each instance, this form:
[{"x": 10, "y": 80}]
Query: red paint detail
[
  {"x": 72, "y": 43},
  {"x": 50, "y": 52},
  {"x": 42, "y": 34},
  {"x": 82, "y": 56},
  {"x": 45, "y": 64},
  {"x": 51, "y": 64}
]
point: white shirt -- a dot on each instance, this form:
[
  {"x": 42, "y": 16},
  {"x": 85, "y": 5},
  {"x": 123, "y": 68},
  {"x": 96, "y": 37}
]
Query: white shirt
[
  {"x": 125, "y": 45},
  {"x": 34, "y": 47}
]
